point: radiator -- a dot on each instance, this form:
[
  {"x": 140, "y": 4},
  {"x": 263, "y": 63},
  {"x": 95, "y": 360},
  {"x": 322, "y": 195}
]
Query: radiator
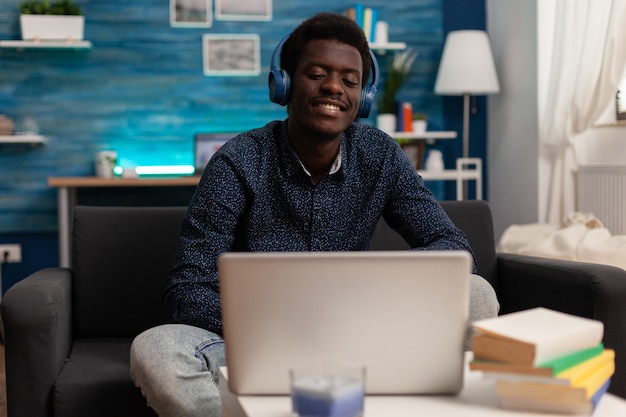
[{"x": 602, "y": 191}]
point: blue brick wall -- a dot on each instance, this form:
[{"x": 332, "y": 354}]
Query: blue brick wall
[{"x": 141, "y": 91}]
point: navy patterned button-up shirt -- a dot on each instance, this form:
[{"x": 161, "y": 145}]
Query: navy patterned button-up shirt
[{"x": 255, "y": 195}]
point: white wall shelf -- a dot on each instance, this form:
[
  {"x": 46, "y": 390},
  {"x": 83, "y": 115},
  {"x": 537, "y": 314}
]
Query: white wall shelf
[
  {"x": 382, "y": 48},
  {"x": 70, "y": 44},
  {"x": 467, "y": 169},
  {"x": 429, "y": 137},
  {"x": 387, "y": 46},
  {"x": 29, "y": 139}
]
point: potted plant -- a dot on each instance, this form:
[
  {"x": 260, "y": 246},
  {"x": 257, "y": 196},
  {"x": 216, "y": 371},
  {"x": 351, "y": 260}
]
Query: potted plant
[
  {"x": 41, "y": 20},
  {"x": 396, "y": 75}
]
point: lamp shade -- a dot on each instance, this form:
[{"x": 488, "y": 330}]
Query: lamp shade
[{"x": 467, "y": 65}]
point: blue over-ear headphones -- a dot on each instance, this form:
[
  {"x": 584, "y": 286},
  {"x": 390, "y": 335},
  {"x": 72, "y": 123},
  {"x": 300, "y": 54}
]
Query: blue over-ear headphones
[{"x": 280, "y": 83}]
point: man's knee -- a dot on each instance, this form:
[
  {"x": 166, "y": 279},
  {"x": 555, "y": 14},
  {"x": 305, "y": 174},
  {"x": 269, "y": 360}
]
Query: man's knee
[{"x": 483, "y": 300}]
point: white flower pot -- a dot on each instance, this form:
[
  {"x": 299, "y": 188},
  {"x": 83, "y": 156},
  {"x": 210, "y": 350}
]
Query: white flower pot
[
  {"x": 386, "y": 122},
  {"x": 51, "y": 27},
  {"x": 419, "y": 126}
]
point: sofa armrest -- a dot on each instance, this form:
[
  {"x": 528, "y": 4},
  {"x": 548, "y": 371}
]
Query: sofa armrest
[
  {"x": 38, "y": 327},
  {"x": 584, "y": 289}
]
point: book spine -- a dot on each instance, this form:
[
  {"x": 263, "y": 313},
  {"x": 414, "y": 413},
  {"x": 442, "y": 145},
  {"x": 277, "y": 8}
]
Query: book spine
[
  {"x": 503, "y": 350},
  {"x": 598, "y": 395},
  {"x": 358, "y": 14},
  {"x": 594, "y": 382},
  {"x": 350, "y": 13},
  {"x": 373, "y": 23},
  {"x": 583, "y": 370},
  {"x": 583, "y": 390},
  {"x": 367, "y": 23},
  {"x": 399, "y": 117},
  {"x": 407, "y": 116}
]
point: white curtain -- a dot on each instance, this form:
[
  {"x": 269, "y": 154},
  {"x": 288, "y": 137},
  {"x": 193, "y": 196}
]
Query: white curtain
[{"x": 587, "y": 60}]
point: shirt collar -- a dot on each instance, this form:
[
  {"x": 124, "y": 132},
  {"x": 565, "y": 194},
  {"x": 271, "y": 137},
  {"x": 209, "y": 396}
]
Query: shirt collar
[
  {"x": 290, "y": 155},
  {"x": 333, "y": 168}
]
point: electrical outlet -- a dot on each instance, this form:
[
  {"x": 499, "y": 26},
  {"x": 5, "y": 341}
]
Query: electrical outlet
[{"x": 10, "y": 253}]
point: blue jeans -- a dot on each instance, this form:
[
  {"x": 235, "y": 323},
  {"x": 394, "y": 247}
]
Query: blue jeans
[{"x": 176, "y": 366}]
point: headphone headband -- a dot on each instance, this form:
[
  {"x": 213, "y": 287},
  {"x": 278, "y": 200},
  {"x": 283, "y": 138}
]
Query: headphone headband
[{"x": 279, "y": 82}]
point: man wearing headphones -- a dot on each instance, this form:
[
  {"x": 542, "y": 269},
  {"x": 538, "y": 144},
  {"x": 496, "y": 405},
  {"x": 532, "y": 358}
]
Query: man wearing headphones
[{"x": 317, "y": 181}]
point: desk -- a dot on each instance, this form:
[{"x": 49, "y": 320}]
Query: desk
[
  {"x": 66, "y": 200},
  {"x": 477, "y": 399}
]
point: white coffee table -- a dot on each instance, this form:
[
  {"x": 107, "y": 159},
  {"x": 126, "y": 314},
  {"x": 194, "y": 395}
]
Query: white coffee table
[{"x": 477, "y": 399}]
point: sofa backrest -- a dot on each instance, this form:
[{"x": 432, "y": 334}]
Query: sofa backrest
[
  {"x": 473, "y": 217},
  {"x": 120, "y": 258}
]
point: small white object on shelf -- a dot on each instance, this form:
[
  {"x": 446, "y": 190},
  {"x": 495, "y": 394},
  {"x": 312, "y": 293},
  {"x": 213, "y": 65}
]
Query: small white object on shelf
[{"x": 434, "y": 162}]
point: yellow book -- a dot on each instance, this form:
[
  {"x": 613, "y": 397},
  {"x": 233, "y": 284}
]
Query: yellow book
[
  {"x": 579, "y": 374},
  {"x": 582, "y": 389}
]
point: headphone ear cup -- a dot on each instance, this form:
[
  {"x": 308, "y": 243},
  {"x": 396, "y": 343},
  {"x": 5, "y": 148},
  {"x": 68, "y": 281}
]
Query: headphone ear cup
[
  {"x": 367, "y": 98},
  {"x": 279, "y": 85},
  {"x": 368, "y": 93}
]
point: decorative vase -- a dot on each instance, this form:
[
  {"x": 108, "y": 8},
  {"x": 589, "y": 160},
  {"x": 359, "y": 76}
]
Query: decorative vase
[
  {"x": 386, "y": 122},
  {"x": 52, "y": 27}
]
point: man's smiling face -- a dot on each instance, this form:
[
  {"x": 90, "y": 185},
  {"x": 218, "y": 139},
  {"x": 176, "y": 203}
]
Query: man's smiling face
[{"x": 326, "y": 89}]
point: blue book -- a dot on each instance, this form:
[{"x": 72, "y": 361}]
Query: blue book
[
  {"x": 358, "y": 14},
  {"x": 372, "y": 34}
]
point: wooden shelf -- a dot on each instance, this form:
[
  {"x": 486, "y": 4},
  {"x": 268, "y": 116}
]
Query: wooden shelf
[
  {"x": 30, "y": 139},
  {"x": 89, "y": 182},
  {"x": 70, "y": 44}
]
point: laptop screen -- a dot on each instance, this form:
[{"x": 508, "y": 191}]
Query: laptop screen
[{"x": 206, "y": 144}]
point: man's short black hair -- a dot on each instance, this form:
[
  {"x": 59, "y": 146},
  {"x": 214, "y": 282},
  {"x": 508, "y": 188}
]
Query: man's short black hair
[{"x": 325, "y": 26}]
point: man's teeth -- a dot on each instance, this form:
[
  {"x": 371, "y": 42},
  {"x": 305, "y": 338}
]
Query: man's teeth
[{"x": 330, "y": 106}]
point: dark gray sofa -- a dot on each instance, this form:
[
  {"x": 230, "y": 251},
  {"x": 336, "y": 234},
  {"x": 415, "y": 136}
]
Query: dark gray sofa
[{"x": 68, "y": 331}]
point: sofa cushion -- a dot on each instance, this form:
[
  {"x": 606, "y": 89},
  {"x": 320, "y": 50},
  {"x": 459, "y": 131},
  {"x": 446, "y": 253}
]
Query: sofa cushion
[
  {"x": 109, "y": 300},
  {"x": 473, "y": 217},
  {"x": 96, "y": 379}
]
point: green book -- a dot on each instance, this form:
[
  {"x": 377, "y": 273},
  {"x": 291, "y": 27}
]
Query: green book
[
  {"x": 546, "y": 369},
  {"x": 565, "y": 362}
]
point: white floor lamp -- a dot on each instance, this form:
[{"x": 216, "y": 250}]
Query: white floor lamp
[{"x": 466, "y": 68}]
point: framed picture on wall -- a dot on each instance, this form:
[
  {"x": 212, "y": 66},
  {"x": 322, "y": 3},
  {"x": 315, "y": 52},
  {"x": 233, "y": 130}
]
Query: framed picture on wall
[
  {"x": 243, "y": 10},
  {"x": 191, "y": 13},
  {"x": 231, "y": 54}
]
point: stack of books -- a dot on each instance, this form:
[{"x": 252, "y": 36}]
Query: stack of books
[
  {"x": 366, "y": 18},
  {"x": 543, "y": 360}
]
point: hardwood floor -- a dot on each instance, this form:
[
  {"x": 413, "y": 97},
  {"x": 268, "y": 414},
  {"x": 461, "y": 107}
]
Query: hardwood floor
[{"x": 3, "y": 384}]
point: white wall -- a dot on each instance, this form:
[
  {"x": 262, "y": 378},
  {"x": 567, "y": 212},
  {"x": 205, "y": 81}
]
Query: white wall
[
  {"x": 512, "y": 148},
  {"x": 517, "y": 188}
]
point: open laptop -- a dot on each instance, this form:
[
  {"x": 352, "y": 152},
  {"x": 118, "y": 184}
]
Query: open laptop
[
  {"x": 402, "y": 314},
  {"x": 205, "y": 145}
]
